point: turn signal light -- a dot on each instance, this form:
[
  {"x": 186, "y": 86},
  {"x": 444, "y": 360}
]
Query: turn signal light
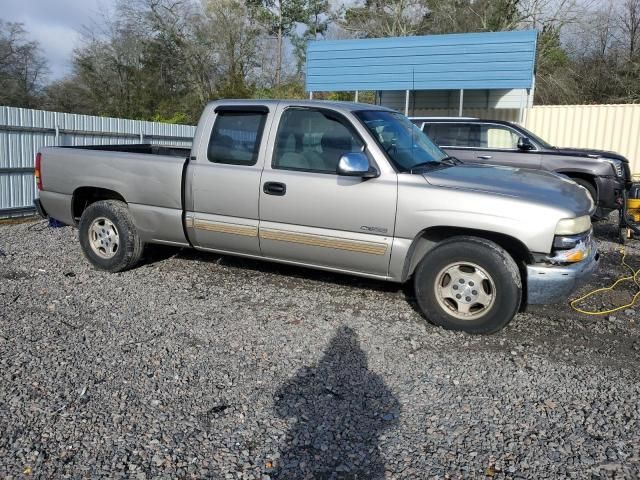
[
  {"x": 37, "y": 173},
  {"x": 577, "y": 254}
]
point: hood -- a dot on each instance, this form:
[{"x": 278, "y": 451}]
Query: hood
[
  {"x": 586, "y": 153},
  {"x": 533, "y": 185}
]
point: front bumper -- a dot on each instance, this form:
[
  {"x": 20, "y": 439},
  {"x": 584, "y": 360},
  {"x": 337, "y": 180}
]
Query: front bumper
[
  {"x": 554, "y": 283},
  {"x": 610, "y": 191}
]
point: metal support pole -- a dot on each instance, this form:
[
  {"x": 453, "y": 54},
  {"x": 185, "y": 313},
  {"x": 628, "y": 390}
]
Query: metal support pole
[
  {"x": 55, "y": 119},
  {"x": 406, "y": 104},
  {"x": 523, "y": 105},
  {"x": 526, "y": 110},
  {"x": 310, "y": 95},
  {"x": 356, "y": 99},
  {"x": 461, "y": 102}
]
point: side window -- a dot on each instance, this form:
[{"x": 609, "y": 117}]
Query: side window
[
  {"x": 312, "y": 140},
  {"x": 431, "y": 130},
  {"x": 235, "y": 138},
  {"x": 496, "y": 136},
  {"x": 453, "y": 134}
]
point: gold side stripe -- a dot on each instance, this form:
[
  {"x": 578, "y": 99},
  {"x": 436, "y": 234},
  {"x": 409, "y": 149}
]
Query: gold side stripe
[
  {"x": 226, "y": 228},
  {"x": 327, "y": 242},
  {"x": 282, "y": 236}
]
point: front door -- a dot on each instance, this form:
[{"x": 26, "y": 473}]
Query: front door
[
  {"x": 222, "y": 207},
  {"x": 309, "y": 214},
  {"x": 498, "y": 145}
]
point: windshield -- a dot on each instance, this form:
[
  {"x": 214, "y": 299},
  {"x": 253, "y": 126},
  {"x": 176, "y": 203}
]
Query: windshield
[{"x": 406, "y": 145}]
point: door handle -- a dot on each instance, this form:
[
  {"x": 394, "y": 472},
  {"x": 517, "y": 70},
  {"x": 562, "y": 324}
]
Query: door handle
[
  {"x": 274, "y": 188},
  {"x": 485, "y": 157}
]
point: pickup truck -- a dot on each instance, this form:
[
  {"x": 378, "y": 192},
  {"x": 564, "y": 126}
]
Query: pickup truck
[
  {"x": 605, "y": 175},
  {"x": 344, "y": 187}
]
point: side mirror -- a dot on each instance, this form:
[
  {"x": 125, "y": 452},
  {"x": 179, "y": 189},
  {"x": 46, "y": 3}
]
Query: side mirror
[
  {"x": 524, "y": 143},
  {"x": 356, "y": 164}
]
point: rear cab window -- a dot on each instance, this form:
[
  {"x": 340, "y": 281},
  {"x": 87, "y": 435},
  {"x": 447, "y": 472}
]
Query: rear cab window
[{"x": 236, "y": 136}]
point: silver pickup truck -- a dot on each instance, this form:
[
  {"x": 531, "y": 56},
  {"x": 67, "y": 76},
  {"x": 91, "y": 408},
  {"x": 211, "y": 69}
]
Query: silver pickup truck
[{"x": 345, "y": 187}]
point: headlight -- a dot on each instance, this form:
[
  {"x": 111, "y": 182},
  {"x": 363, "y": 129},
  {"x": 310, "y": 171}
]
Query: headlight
[
  {"x": 571, "y": 248},
  {"x": 573, "y": 226},
  {"x": 566, "y": 242},
  {"x": 617, "y": 166}
]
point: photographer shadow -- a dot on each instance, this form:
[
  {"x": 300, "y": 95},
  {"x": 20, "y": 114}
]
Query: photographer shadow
[{"x": 340, "y": 409}]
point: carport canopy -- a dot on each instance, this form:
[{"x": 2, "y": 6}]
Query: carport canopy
[{"x": 468, "y": 61}]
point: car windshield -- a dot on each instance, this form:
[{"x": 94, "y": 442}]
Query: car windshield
[{"x": 406, "y": 145}]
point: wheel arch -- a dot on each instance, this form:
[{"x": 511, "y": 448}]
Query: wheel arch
[
  {"x": 588, "y": 177},
  {"x": 428, "y": 238},
  {"x": 84, "y": 196}
]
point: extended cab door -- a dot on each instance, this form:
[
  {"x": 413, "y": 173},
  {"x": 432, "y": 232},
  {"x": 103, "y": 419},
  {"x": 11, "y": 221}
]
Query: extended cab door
[
  {"x": 223, "y": 181},
  {"x": 309, "y": 214}
]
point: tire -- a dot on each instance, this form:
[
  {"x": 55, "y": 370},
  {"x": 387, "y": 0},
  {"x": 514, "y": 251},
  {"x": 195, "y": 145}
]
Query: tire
[
  {"x": 457, "y": 267},
  {"x": 598, "y": 214},
  {"x": 108, "y": 236}
]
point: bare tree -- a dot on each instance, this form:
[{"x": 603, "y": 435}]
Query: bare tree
[
  {"x": 386, "y": 18},
  {"x": 23, "y": 69},
  {"x": 235, "y": 47},
  {"x": 629, "y": 19}
]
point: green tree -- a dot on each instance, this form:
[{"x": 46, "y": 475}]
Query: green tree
[
  {"x": 279, "y": 18},
  {"x": 315, "y": 21}
]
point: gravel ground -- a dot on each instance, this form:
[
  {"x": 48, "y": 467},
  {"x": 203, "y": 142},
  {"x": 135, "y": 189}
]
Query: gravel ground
[{"x": 200, "y": 366}]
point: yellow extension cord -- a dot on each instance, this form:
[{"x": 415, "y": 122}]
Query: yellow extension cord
[{"x": 635, "y": 274}]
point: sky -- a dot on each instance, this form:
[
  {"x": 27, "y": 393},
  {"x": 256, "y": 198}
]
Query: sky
[{"x": 56, "y": 24}]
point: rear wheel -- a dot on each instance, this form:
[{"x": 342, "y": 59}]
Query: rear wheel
[
  {"x": 108, "y": 236},
  {"x": 468, "y": 284}
]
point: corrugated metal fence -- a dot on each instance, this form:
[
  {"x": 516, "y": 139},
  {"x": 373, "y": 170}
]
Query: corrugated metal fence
[
  {"x": 23, "y": 132},
  {"x": 605, "y": 127}
]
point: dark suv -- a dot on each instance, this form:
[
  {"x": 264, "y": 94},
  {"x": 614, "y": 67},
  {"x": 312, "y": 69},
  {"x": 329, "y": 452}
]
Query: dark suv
[{"x": 604, "y": 174}]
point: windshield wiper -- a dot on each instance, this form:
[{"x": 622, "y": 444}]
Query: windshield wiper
[
  {"x": 451, "y": 161},
  {"x": 435, "y": 163}
]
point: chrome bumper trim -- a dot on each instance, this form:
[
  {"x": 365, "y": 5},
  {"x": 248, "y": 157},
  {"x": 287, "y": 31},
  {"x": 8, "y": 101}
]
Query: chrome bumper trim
[{"x": 548, "y": 284}]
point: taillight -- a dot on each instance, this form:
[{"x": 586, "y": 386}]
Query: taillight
[{"x": 37, "y": 173}]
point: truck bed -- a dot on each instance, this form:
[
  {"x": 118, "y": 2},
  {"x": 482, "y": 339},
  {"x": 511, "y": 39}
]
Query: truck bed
[{"x": 147, "y": 177}]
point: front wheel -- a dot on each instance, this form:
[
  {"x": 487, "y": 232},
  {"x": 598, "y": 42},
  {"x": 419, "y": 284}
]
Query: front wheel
[
  {"x": 469, "y": 284},
  {"x": 108, "y": 236},
  {"x": 599, "y": 214}
]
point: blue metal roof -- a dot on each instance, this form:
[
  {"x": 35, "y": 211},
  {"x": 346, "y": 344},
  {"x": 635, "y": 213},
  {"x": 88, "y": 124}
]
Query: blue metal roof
[{"x": 491, "y": 60}]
